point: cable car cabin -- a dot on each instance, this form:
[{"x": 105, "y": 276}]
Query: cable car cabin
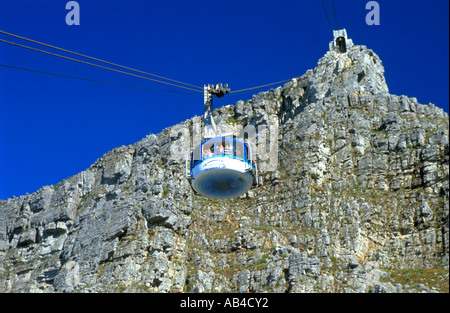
[{"x": 221, "y": 168}]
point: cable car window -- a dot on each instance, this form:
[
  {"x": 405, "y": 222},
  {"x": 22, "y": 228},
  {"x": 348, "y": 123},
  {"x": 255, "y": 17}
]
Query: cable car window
[
  {"x": 196, "y": 155},
  {"x": 239, "y": 151},
  {"x": 208, "y": 149},
  {"x": 220, "y": 144},
  {"x": 227, "y": 148}
]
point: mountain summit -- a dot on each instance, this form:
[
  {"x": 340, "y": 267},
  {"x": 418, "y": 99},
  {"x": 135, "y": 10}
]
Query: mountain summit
[{"x": 353, "y": 196}]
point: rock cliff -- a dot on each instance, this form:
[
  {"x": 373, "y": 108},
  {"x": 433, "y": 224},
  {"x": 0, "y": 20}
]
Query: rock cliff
[{"x": 356, "y": 200}]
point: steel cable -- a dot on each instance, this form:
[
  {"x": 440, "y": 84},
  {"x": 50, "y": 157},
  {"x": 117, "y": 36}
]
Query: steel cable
[
  {"x": 96, "y": 65},
  {"x": 94, "y": 80},
  {"x": 96, "y": 59}
]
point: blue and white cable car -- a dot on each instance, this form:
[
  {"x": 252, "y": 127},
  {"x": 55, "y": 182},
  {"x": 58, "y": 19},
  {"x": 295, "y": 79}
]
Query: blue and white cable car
[{"x": 222, "y": 168}]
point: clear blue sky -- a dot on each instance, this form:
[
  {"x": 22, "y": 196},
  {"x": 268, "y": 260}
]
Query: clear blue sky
[{"x": 54, "y": 127}]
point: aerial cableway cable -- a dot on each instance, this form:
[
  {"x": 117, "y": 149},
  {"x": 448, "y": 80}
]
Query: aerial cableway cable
[
  {"x": 326, "y": 14},
  {"x": 95, "y": 80},
  {"x": 335, "y": 18},
  {"x": 96, "y": 59},
  {"x": 114, "y": 64},
  {"x": 328, "y": 17},
  {"x": 246, "y": 89},
  {"x": 96, "y": 65}
]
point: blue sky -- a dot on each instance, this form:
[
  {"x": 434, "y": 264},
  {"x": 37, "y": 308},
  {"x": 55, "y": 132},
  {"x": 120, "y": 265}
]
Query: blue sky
[{"x": 52, "y": 127}]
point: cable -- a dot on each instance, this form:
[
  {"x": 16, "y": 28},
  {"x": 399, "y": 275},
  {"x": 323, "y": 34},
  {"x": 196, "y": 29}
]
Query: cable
[
  {"x": 114, "y": 64},
  {"x": 241, "y": 90},
  {"x": 326, "y": 14},
  {"x": 335, "y": 18},
  {"x": 114, "y": 70},
  {"x": 95, "y": 80},
  {"x": 95, "y": 59},
  {"x": 99, "y": 66},
  {"x": 125, "y": 85}
]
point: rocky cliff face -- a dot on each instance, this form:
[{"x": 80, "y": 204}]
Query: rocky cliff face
[{"x": 356, "y": 202}]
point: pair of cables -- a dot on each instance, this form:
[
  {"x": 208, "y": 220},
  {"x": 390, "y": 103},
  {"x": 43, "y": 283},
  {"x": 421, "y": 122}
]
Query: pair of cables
[
  {"x": 161, "y": 79},
  {"x": 326, "y": 14},
  {"x": 167, "y": 81}
]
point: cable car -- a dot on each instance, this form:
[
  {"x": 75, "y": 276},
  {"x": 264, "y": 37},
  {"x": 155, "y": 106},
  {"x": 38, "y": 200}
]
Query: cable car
[{"x": 221, "y": 168}]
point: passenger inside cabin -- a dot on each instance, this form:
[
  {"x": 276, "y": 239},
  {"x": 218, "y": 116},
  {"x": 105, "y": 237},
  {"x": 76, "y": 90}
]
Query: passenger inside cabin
[{"x": 207, "y": 153}]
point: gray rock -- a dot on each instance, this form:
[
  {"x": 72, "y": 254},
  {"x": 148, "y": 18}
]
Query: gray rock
[{"x": 359, "y": 188}]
